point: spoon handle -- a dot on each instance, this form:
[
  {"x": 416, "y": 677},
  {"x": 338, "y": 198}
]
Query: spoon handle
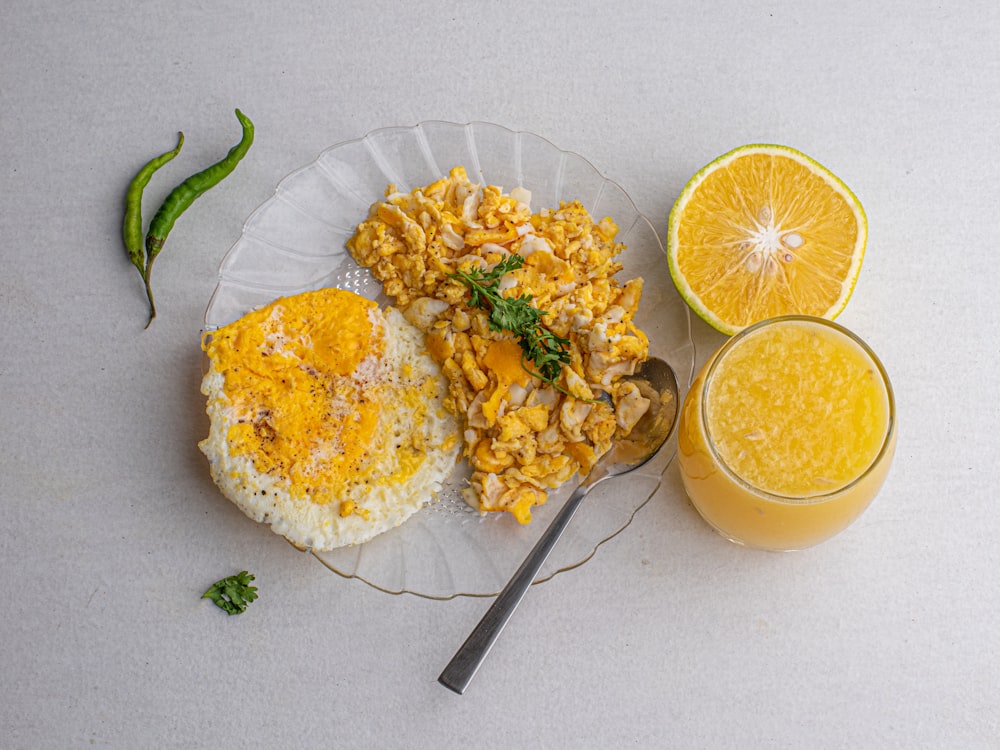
[{"x": 465, "y": 663}]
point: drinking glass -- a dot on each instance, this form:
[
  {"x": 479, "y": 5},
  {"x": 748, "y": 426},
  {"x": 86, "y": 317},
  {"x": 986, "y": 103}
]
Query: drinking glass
[{"x": 787, "y": 433}]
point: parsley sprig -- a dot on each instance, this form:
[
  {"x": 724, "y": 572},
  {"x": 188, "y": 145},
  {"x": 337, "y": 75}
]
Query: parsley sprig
[
  {"x": 547, "y": 351},
  {"x": 232, "y": 594}
]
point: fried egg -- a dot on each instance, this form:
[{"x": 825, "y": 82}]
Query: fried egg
[{"x": 327, "y": 418}]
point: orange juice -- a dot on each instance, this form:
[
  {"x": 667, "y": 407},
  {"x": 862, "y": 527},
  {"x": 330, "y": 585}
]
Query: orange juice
[{"x": 787, "y": 433}]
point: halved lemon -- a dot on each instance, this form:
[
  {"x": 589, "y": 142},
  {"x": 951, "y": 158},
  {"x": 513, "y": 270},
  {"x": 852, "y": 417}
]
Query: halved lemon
[{"x": 762, "y": 231}]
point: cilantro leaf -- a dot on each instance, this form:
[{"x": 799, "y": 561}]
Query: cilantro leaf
[
  {"x": 547, "y": 351},
  {"x": 232, "y": 594}
]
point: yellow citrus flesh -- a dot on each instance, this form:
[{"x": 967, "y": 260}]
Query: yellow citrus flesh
[{"x": 764, "y": 231}]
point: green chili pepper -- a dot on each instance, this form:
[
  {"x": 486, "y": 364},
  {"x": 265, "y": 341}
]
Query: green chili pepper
[
  {"x": 181, "y": 198},
  {"x": 132, "y": 226}
]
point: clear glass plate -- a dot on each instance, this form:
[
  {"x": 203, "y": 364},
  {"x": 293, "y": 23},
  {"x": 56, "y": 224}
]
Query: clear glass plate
[{"x": 295, "y": 242}]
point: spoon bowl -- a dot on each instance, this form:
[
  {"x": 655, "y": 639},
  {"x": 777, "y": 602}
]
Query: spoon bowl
[{"x": 657, "y": 383}]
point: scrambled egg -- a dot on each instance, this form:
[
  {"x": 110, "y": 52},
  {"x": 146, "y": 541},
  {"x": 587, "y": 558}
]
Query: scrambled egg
[
  {"x": 327, "y": 418},
  {"x": 522, "y": 436}
]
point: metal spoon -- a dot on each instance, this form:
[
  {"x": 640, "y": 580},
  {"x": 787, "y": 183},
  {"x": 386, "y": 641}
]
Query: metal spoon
[{"x": 657, "y": 382}]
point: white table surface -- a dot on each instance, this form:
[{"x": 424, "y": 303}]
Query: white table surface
[{"x": 887, "y": 636}]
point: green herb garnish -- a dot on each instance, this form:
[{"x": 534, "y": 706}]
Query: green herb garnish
[
  {"x": 547, "y": 351},
  {"x": 232, "y": 594}
]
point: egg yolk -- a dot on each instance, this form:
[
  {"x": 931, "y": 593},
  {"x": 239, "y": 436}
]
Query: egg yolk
[{"x": 304, "y": 376}]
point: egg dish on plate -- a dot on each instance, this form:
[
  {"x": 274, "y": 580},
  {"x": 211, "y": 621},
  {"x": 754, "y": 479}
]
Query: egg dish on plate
[
  {"x": 334, "y": 420},
  {"x": 327, "y": 418},
  {"x": 523, "y": 434}
]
